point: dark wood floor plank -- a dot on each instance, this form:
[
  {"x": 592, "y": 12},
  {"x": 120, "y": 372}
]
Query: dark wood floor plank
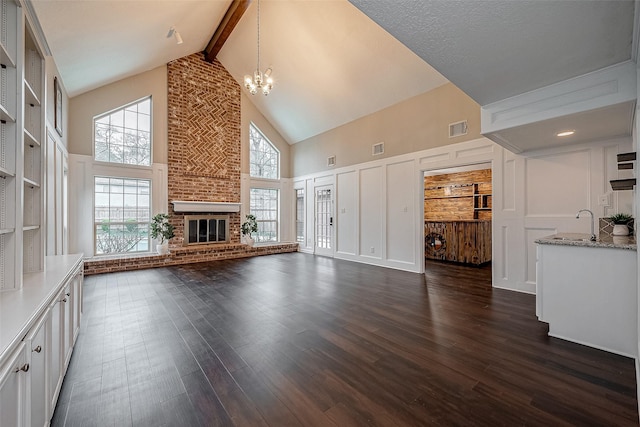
[{"x": 298, "y": 340}]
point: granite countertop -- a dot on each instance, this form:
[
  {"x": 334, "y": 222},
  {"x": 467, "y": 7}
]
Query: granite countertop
[{"x": 582, "y": 239}]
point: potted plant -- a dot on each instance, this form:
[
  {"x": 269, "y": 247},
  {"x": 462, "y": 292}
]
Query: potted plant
[
  {"x": 248, "y": 227},
  {"x": 162, "y": 229},
  {"x": 620, "y": 221}
]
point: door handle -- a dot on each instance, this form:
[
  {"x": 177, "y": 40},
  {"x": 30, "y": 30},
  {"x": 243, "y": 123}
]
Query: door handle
[{"x": 331, "y": 220}]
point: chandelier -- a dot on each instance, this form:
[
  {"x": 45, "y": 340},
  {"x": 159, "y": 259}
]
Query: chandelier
[{"x": 260, "y": 81}]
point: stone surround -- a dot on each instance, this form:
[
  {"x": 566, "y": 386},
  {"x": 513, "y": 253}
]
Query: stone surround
[{"x": 183, "y": 255}]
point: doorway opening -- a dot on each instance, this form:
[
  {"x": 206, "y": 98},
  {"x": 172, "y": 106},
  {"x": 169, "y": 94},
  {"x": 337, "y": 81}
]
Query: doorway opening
[{"x": 458, "y": 204}]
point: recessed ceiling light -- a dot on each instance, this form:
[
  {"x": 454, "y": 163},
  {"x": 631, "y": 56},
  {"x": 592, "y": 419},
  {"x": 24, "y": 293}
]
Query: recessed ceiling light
[{"x": 566, "y": 133}]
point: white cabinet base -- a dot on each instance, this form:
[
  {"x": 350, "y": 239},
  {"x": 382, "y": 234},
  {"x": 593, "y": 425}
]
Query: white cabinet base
[{"x": 588, "y": 295}]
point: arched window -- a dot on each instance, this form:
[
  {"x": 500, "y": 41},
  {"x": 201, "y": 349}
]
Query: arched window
[
  {"x": 264, "y": 158},
  {"x": 124, "y": 135}
]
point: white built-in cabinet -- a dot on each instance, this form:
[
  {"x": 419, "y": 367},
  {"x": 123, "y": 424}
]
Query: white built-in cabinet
[
  {"x": 40, "y": 297},
  {"x": 21, "y": 148},
  {"x": 39, "y": 328}
]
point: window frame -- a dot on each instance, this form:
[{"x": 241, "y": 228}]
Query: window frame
[
  {"x": 95, "y": 224},
  {"x": 272, "y": 145},
  {"x": 304, "y": 213},
  {"x": 259, "y": 221},
  {"x": 151, "y": 136}
]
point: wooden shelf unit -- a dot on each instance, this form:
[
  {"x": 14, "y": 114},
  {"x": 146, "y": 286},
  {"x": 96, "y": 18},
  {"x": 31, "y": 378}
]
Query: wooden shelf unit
[{"x": 458, "y": 196}]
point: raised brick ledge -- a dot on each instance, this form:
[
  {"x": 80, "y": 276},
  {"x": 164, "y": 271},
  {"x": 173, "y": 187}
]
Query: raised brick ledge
[{"x": 183, "y": 255}]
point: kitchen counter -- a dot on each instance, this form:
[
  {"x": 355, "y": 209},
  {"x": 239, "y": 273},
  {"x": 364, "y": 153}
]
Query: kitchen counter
[
  {"x": 587, "y": 291},
  {"x": 582, "y": 239}
]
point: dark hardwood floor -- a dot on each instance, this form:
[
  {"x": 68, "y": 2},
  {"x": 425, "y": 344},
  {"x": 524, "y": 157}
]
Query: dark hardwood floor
[{"x": 298, "y": 340}]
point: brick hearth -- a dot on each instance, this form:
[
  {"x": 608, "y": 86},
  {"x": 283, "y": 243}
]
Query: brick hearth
[{"x": 183, "y": 255}]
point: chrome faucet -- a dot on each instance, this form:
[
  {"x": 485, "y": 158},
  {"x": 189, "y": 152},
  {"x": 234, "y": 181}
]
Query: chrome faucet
[{"x": 593, "y": 235}]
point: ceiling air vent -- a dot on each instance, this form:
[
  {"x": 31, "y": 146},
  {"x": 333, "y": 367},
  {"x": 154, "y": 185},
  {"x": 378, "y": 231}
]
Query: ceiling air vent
[
  {"x": 457, "y": 129},
  {"x": 331, "y": 161},
  {"x": 377, "y": 149}
]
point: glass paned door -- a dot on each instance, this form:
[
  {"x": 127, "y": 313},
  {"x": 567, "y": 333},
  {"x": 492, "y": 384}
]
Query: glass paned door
[{"x": 324, "y": 220}]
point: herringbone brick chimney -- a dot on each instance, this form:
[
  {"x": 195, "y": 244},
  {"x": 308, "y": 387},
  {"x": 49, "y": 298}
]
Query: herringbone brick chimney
[{"x": 203, "y": 137}]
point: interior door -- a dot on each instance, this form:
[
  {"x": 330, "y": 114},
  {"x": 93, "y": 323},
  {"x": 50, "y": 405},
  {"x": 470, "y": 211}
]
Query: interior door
[{"x": 324, "y": 216}]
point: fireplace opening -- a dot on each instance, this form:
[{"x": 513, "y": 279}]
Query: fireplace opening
[{"x": 206, "y": 229}]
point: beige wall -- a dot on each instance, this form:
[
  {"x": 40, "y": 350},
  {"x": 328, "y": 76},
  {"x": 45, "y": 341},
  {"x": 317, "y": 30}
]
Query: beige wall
[
  {"x": 419, "y": 123},
  {"x": 251, "y": 114},
  {"x": 83, "y": 108}
]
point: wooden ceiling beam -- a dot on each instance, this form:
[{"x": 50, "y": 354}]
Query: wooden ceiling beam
[{"x": 228, "y": 23}]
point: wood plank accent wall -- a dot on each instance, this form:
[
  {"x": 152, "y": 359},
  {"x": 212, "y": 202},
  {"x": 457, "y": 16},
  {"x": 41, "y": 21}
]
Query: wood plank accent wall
[
  {"x": 459, "y": 241},
  {"x": 462, "y": 195}
]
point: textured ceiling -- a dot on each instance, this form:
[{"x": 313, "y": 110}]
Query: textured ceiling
[{"x": 495, "y": 49}]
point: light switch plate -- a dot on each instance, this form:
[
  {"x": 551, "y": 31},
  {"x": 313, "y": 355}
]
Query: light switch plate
[{"x": 603, "y": 200}]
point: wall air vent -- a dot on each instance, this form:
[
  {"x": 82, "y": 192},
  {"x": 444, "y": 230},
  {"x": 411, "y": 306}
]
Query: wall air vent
[
  {"x": 377, "y": 149},
  {"x": 331, "y": 161},
  {"x": 457, "y": 129}
]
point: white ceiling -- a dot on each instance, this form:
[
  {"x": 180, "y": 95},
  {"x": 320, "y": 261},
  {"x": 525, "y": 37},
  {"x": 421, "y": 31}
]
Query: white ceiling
[
  {"x": 98, "y": 42},
  {"x": 331, "y": 64}
]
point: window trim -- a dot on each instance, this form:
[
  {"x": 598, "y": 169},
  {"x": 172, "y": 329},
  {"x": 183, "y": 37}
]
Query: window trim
[
  {"x": 93, "y": 214},
  {"x": 151, "y": 139},
  {"x": 279, "y": 176},
  {"x": 278, "y": 213}
]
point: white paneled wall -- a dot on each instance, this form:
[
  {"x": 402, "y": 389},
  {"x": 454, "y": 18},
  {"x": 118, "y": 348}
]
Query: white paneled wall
[
  {"x": 401, "y": 213},
  {"x": 347, "y": 213},
  {"x": 533, "y": 195},
  {"x": 371, "y": 199}
]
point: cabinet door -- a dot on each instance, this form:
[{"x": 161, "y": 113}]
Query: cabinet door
[
  {"x": 13, "y": 380},
  {"x": 67, "y": 307},
  {"x": 36, "y": 343},
  {"x": 77, "y": 303},
  {"x": 56, "y": 352}
]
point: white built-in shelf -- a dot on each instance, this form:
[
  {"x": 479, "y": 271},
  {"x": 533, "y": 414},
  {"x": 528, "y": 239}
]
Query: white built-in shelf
[
  {"x": 30, "y": 96},
  {"x": 4, "y": 115},
  {"x": 6, "y": 230},
  {"x": 30, "y": 227},
  {"x": 30, "y": 139},
  {"x": 5, "y": 57},
  {"x": 31, "y": 183},
  {"x": 5, "y": 173}
]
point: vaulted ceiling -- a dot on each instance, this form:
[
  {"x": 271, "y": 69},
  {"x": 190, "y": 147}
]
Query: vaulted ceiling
[
  {"x": 331, "y": 64},
  {"x": 337, "y": 60}
]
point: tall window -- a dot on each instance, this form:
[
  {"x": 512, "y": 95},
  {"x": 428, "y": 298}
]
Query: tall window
[
  {"x": 264, "y": 158},
  {"x": 264, "y": 205},
  {"x": 300, "y": 215},
  {"x": 121, "y": 215},
  {"x": 124, "y": 135}
]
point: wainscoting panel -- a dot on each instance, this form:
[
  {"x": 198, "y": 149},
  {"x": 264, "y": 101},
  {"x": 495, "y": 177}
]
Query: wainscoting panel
[
  {"x": 346, "y": 213},
  {"x": 558, "y": 183},
  {"x": 371, "y": 207},
  {"x": 401, "y": 212}
]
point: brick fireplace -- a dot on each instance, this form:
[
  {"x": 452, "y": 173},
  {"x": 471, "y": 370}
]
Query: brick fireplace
[
  {"x": 203, "y": 138},
  {"x": 204, "y": 146}
]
